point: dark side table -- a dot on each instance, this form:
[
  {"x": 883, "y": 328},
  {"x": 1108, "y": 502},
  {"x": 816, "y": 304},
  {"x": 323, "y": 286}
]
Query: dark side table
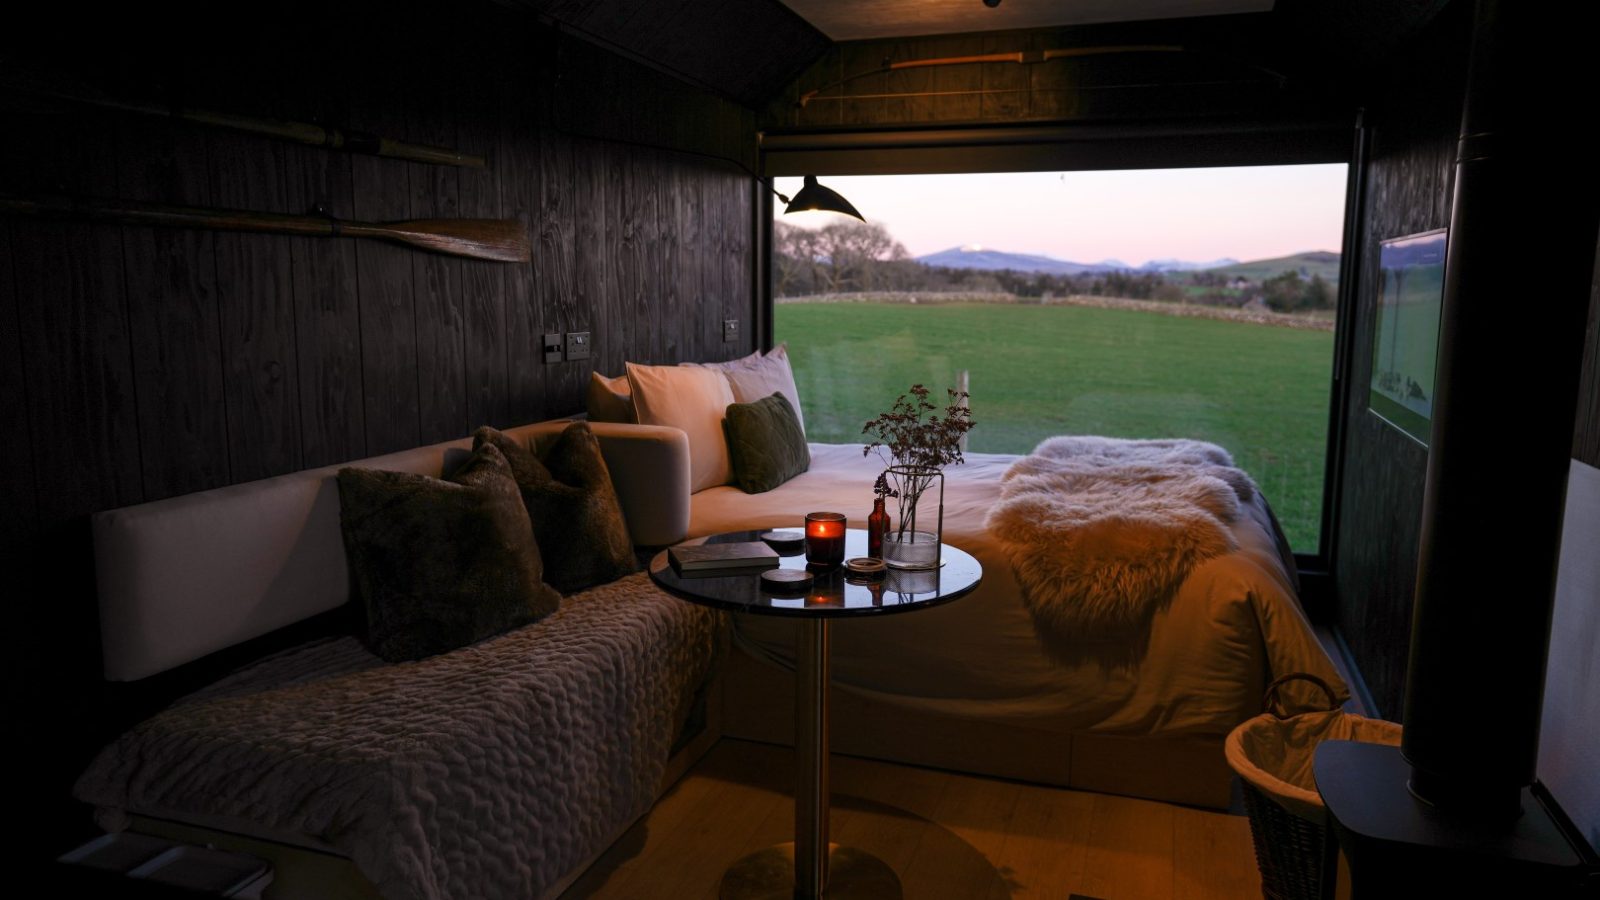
[{"x": 810, "y": 865}]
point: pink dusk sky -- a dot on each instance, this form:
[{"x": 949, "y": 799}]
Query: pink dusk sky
[{"x": 1134, "y": 216}]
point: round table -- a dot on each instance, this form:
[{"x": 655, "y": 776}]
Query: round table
[{"x": 811, "y": 865}]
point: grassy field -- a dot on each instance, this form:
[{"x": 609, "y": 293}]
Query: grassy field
[{"x": 1038, "y": 371}]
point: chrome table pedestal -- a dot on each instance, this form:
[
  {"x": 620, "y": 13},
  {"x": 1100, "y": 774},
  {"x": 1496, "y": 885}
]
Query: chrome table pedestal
[{"x": 810, "y": 866}]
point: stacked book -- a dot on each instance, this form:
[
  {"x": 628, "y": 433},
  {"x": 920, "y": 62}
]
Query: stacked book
[{"x": 729, "y": 558}]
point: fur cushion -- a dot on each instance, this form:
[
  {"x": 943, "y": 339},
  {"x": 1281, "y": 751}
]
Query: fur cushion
[
  {"x": 441, "y": 564},
  {"x": 1102, "y": 532},
  {"x": 765, "y": 444},
  {"x": 572, "y": 505}
]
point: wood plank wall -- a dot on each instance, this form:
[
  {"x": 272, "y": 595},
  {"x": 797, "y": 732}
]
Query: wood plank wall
[
  {"x": 1408, "y": 190},
  {"x": 747, "y": 49},
  {"x": 1409, "y": 187},
  {"x": 140, "y": 363},
  {"x": 1586, "y": 428},
  {"x": 1217, "y": 79}
]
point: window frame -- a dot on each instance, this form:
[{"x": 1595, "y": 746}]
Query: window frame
[{"x": 1091, "y": 146}]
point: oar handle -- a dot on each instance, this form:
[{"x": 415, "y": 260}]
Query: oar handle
[
  {"x": 500, "y": 240},
  {"x": 129, "y": 213},
  {"x": 306, "y": 133}
]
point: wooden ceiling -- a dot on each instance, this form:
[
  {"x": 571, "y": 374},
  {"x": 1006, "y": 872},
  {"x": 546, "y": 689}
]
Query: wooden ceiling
[
  {"x": 850, "y": 20},
  {"x": 744, "y": 49}
]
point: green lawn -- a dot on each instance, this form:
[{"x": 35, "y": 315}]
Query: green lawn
[{"x": 1037, "y": 371}]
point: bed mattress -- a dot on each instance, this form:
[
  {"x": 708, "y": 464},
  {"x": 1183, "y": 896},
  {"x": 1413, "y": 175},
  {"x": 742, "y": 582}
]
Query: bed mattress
[
  {"x": 489, "y": 771},
  {"x": 1198, "y": 670}
]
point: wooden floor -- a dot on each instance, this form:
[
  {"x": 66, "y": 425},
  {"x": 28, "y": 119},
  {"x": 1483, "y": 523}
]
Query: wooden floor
[{"x": 947, "y": 835}]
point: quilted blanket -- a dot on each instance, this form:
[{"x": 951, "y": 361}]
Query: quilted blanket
[{"x": 489, "y": 771}]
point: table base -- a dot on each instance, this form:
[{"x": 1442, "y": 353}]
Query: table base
[{"x": 769, "y": 875}]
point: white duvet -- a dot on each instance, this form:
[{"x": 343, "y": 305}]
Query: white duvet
[{"x": 1198, "y": 671}]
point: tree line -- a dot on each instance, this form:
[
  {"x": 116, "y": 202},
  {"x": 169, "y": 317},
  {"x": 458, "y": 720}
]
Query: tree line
[{"x": 845, "y": 257}]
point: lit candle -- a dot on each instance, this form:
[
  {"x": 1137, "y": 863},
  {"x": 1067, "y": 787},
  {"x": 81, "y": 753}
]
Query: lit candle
[{"x": 825, "y": 539}]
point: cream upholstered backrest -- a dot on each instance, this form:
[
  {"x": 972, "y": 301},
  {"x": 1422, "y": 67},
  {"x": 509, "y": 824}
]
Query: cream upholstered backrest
[{"x": 187, "y": 576}]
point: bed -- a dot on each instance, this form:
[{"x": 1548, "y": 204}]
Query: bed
[{"x": 966, "y": 685}]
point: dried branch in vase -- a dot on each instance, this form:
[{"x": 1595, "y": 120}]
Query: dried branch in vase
[{"x": 916, "y": 442}]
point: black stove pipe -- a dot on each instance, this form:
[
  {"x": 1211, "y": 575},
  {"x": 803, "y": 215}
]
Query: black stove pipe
[{"x": 1520, "y": 258}]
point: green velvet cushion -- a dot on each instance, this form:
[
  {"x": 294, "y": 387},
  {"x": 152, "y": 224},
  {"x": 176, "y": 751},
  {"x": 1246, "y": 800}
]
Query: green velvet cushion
[
  {"x": 765, "y": 443},
  {"x": 576, "y": 518},
  {"x": 441, "y": 564}
]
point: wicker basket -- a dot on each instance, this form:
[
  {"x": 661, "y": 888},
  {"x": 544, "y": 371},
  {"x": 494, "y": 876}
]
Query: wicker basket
[{"x": 1272, "y": 752}]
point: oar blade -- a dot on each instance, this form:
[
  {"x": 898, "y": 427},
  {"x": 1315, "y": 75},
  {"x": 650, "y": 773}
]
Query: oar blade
[{"x": 501, "y": 240}]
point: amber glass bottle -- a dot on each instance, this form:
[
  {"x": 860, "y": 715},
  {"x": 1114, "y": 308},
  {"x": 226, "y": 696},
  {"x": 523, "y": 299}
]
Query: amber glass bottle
[{"x": 877, "y": 526}]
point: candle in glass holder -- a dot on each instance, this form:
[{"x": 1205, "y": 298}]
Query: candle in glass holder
[{"x": 825, "y": 538}]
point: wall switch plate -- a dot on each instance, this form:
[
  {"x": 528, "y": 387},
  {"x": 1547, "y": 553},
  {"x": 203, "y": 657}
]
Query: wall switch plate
[
  {"x": 730, "y": 330},
  {"x": 552, "y": 348},
  {"x": 577, "y": 345}
]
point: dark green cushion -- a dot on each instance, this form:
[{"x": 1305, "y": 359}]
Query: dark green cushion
[
  {"x": 576, "y": 518},
  {"x": 441, "y": 564},
  {"x": 765, "y": 443}
]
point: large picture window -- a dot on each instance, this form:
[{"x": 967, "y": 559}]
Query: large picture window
[{"x": 1194, "y": 303}]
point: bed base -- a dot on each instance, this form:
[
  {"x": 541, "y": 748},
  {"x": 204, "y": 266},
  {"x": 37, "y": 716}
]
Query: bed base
[
  {"x": 758, "y": 704},
  {"x": 306, "y": 873}
]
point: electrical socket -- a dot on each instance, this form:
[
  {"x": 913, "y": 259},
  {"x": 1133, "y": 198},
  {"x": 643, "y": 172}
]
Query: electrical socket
[
  {"x": 552, "y": 348},
  {"x": 577, "y": 345},
  {"x": 730, "y": 330}
]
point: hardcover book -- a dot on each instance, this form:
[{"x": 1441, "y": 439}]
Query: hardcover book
[{"x": 741, "y": 555}]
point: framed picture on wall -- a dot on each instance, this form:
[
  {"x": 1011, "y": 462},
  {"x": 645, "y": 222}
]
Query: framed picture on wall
[{"x": 1405, "y": 339}]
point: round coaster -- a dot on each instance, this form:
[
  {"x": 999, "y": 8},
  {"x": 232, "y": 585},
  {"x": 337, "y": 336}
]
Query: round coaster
[
  {"x": 787, "y": 581},
  {"x": 865, "y": 567},
  {"x": 785, "y": 542}
]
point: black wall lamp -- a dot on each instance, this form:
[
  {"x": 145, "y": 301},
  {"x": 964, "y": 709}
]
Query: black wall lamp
[{"x": 814, "y": 196}]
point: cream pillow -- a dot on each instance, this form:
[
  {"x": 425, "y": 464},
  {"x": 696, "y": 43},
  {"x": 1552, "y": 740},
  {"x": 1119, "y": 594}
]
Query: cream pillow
[
  {"x": 610, "y": 400},
  {"x": 693, "y": 400},
  {"x": 756, "y": 377}
]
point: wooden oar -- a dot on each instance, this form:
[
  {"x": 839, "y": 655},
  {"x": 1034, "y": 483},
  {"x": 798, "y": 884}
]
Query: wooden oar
[
  {"x": 299, "y": 132},
  {"x": 1022, "y": 56},
  {"x": 502, "y": 240}
]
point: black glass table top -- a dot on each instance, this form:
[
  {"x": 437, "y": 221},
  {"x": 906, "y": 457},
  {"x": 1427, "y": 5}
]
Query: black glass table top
[{"x": 833, "y": 595}]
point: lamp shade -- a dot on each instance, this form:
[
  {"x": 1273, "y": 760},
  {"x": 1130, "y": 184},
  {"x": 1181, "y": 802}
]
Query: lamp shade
[{"x": 815, "y": 196}]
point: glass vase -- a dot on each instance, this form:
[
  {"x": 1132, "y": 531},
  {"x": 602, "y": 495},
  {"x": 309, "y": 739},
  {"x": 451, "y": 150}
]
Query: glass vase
[{"x": 916, "y": 539}]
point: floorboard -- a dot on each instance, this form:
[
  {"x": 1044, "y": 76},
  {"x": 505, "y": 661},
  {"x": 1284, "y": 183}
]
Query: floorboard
[{"x": 946, "y": 835}]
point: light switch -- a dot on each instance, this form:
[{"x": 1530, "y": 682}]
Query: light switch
[
  {"x": 730, "y": 330},
  {"x": 552, "y": 348}
]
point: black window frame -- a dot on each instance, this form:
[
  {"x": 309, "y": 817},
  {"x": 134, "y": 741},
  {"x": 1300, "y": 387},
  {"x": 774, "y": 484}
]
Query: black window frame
[{"x": 1104, "y": 146}]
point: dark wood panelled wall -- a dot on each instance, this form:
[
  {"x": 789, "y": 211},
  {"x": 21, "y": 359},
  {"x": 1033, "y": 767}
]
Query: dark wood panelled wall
[
  {"x": 140, "y": 363},
  {"x": 1586, "y": 429},
  {"x": 747, "y": 49},
  {"x": 1218, "y": 76},
  {"x": 1415, "y": 121},
  {"x": 1409, "y": 180}
]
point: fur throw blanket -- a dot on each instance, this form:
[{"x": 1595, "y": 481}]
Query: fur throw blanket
[{"x": 1101, "y": 532}]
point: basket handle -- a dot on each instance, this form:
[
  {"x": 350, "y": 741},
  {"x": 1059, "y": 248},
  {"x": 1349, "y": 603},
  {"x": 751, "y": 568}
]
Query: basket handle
[{"x": 1272, "y": 703}]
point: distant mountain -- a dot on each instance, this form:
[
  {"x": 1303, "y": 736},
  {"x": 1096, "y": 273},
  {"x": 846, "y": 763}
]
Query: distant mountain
[
  {"x": 976, "y": 257},
  {"x": 972, "y": 256},
  {"x": 1315, "y": 262},
  {"x": 1179, "y": 265}
]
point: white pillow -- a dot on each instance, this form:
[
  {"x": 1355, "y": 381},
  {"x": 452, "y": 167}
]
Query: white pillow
[
  {"x": 756, "y": 377},
  {"x": 610, "y": 400},
  {"x": 695, "y": 401}
]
